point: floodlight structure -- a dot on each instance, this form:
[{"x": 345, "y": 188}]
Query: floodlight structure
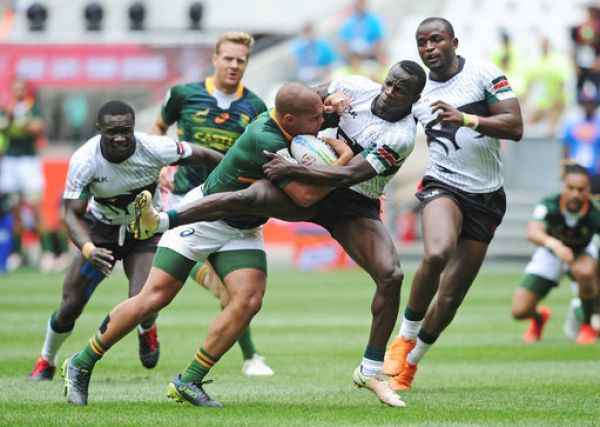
[
  {"x": 37, "y": 15},
  {"x": 93, "y": 14},
  {"x": 196, "y": 12},
  {"x": 137, "y": 16}
]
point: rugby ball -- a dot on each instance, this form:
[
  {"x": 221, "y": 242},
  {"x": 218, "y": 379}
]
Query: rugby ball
[{"x": 310, "y": 150}]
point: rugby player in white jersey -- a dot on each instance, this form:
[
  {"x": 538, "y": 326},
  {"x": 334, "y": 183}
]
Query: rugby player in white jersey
[
  {"x": 465, "y": 107},
  {"x": 106, "y": 174}
]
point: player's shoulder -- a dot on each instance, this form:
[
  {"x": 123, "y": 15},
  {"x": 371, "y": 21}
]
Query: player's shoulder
[
  {"x": 251, "y": 97},
  {"x": 88, "y": 150},
  {"x": 352, "y": 83},
  {"x": 183, "y": 90},
  {"x": 552, "y": 202},
  {"x": 482, "y": 68}
]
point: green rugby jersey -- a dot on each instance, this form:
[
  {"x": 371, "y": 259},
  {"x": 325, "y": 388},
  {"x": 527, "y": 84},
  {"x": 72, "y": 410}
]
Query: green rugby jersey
[
  {"x": 21, "y": 143},
  {"x": 242, "y": 165},
  {"x": 201, "y": 121},
  {"x": 574, "y": 230}
]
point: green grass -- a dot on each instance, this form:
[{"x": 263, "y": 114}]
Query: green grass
[{"x": 313, "y": 329}]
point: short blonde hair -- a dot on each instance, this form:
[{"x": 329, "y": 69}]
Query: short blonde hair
[{"x": 236, "y": 37}]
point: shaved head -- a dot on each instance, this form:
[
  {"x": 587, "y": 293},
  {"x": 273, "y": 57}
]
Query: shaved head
[{"x": 295, "y": 98}]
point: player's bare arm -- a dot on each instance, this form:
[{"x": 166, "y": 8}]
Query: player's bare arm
[
  {"x": 504, "y": 122},
  {"x": 202, "y": 156},
  {"x": 536, "y": 234},
  {"x": 100, "y": 258},
  {"x": 159, "y": 126},
  {"x": 357, "y": 170}
]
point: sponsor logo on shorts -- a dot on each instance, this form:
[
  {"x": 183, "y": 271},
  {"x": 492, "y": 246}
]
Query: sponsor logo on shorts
[
  {"x": 431, "y": 194},
  {"x": 187, "y": 232}
]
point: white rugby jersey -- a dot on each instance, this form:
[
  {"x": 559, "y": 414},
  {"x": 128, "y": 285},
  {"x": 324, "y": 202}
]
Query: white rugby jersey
[
  {"x": 111, "y": 187},
  {"x": 463, "y": 157},
  {"x": 386, "y": 145}
]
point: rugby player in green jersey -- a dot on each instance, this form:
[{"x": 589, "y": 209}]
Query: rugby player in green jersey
[
  {"x": 376, "y": 120},
  {"x": 564, "y": 226},
  {"x": 238, "y": 239},
  {"x": 213, "y": 113}
]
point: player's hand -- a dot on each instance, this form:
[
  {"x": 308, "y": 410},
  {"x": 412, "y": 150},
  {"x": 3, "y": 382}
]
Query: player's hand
[
  {"x": 564, "y": 253},
  {"x": 339, "y": 146},
  {"x": 277, "y": 167},
  {"x": 447, "y": 114},
  {"x": 102, "y": 259},
  {"x": 337, "y": 102},
  {"x": 165, "y": 180}
]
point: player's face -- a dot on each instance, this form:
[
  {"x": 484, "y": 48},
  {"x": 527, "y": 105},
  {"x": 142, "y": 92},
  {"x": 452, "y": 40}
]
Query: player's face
[
  {"x": 436, "y": 47},
  {"x": 230, "y": 64},
  {"x": 397, "y": 90},
  {"x": 576, "y": 191},
  {"x": 309, "y": 122},
  {"x": 117, "y": 136}
]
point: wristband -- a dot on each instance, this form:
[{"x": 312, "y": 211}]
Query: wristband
[
  {"x": 470, "y": 120},
  {"x": 87, "y": 249}
]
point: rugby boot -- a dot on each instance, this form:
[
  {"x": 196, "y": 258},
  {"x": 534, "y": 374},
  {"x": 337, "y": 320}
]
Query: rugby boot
[
  {"x": 403, "y": 381},
  {"x": 587, "y": 334},
  {"x": 534, "y": 332},
  {"x": 379, "y": 386},
  {"x": 395, "y": 355},
  {"x": 145, "y": 222},
  {"x": 256, "y": 367},
  {"x": 77, "y": 381},
  {"x": 149, "y": 347},
  {"x": 192, "y": 393},
  {"x": 42, "y": 371}
]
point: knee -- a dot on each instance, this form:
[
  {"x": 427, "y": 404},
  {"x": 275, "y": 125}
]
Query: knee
[
  {"x": 436, "y": 258},
  {"x": 519, "y": 312},
  {"x": 391, "y": 281},
  {"x": 248, "y": 305},
  {"x": 153, "y": 302}
]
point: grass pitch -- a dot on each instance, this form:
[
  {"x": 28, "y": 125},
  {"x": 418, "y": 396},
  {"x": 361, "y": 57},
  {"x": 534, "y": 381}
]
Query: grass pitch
[{"x": 313, "y": 330}]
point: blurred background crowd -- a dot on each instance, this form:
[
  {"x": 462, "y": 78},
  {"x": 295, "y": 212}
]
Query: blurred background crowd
[{"x": 59, "y": 61}]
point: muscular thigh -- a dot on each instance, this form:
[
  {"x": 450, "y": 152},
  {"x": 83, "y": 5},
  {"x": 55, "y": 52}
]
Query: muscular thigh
[
  {"x": 137, "y": 267},
  {"x": 368, "y": 243}
]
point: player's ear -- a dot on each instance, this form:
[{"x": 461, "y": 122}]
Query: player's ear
[{"x": 455, "y": 43}]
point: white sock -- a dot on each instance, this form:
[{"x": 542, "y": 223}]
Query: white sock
[
  {"x": 370, "y": 367},
  {"x": 409, "y": 328},
  {"x": 53, "y": 342},
  {"x": 163, "y": 222},
  {"x": 418, "y": 352}
]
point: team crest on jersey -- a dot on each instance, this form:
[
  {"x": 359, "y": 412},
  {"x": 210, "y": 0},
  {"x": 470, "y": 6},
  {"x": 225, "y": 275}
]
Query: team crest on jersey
[
  {"x": 244, "y": 120},
  {"x": 200, "y": 116},
  {"x": 187, "y": 232}
]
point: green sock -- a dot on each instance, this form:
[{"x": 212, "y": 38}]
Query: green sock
[
  {"x": 47, "y": 243},
  {"x": 90, "y": 354},
  {"x": 198, "y": 367},
  {"x": 246, "y": 344},
  {"x": 587, "y": 306}
]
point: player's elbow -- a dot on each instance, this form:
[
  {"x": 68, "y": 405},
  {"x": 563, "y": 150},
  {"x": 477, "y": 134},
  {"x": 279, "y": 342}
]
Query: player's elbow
[{"x": 517, "y": 132}]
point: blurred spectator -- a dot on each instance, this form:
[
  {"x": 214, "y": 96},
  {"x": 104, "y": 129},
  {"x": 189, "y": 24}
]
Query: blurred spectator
[
  {"x": 581, "y": 140},
  {"x": 313, "y": 57},
  {"x": 358, "y": 65},
  {"x": 21, "y": 174},
  {"x": 362, "y": 35},
  {"x": 510, "y": 60},
  {"x": 586, "y": 51},
  {"x": 546, "y": 79}
]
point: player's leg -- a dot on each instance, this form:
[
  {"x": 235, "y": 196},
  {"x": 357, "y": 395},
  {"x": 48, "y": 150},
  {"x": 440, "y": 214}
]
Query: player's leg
[
  {"x": 137, "y": 265},
  {"x": 225, "y": 263},
  {"x": 80, "y": 281},
  {"x": 169, "y": 271},
  {"x": 542, "y": 274},
  {"x": 261, "y": 198},
  {"x": 441, "y": 222},
  {"x": 246, "y": 289},
  {"x": 584, "y": 271},
  {"x": 369, "y": 244}
]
